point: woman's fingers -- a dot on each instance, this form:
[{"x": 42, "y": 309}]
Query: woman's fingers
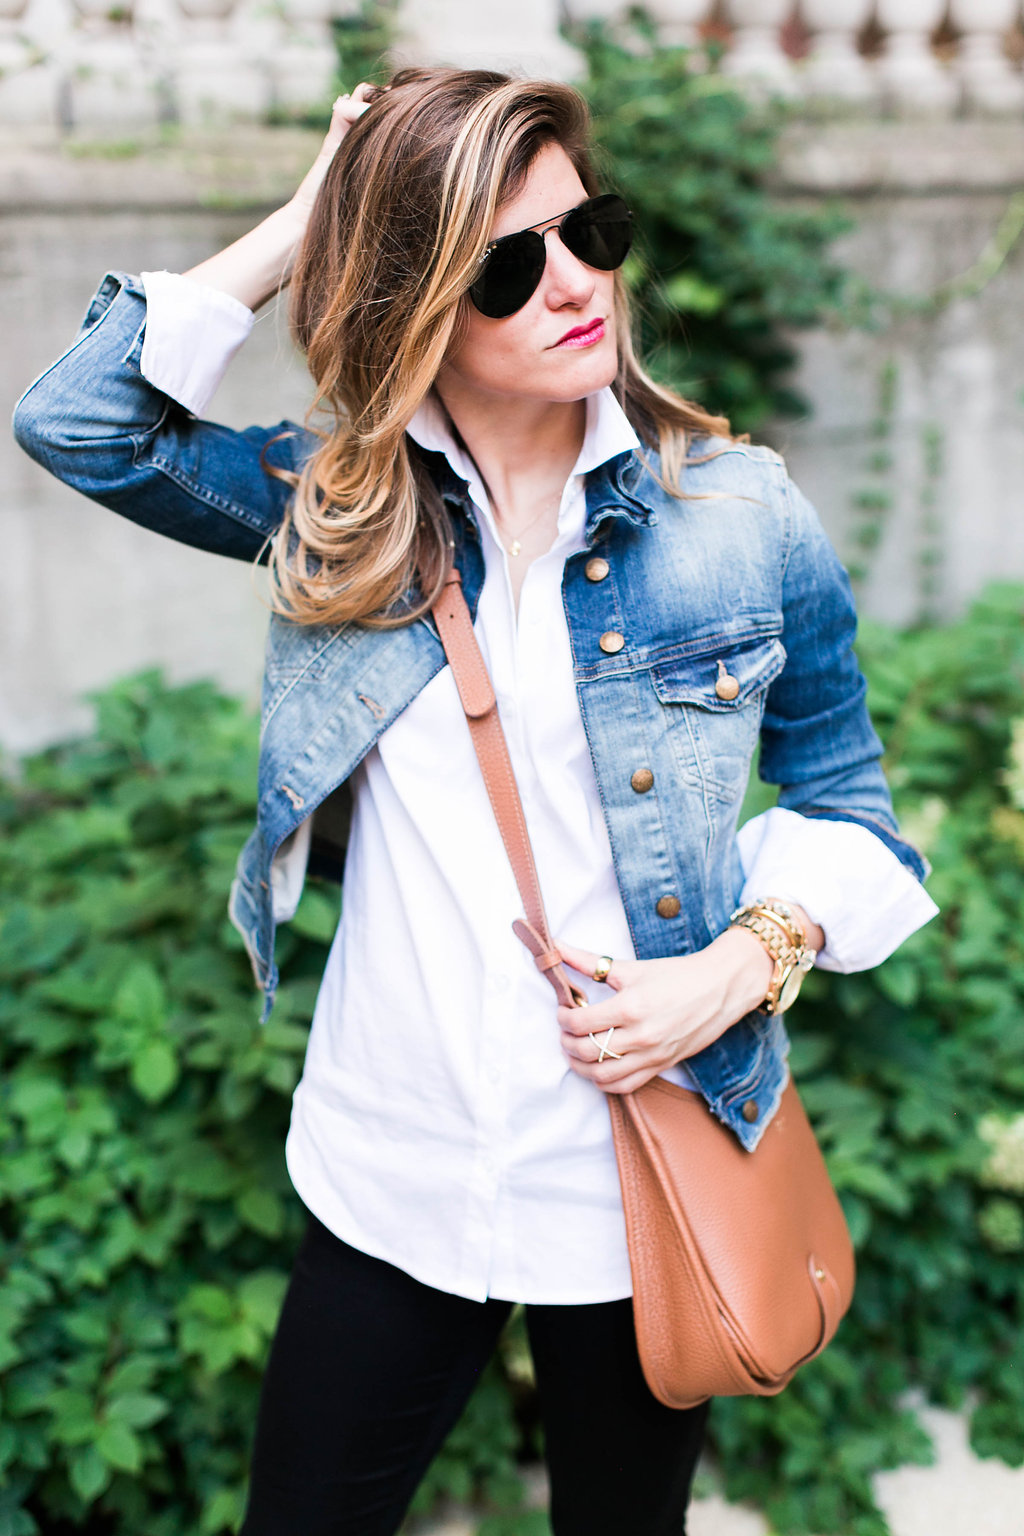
[
  {"x": 617, "y": 1010},
  {"x": 344, "y": 113},
  {"x": 350, "y": 106},
  {"x": 599, "y": 1046},
  {"x": 634, "y": 1069},
  {"x": 588, "y": 963},
  {"x": 583, "y": 1021}
]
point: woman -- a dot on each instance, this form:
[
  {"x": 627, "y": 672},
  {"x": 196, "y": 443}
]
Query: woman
[{"x": 653, "y": 598}]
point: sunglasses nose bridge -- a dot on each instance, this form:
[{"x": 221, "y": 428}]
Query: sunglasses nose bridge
[
  {"x": 569, "y": 273},
  {"x": 555, "y": 224}
]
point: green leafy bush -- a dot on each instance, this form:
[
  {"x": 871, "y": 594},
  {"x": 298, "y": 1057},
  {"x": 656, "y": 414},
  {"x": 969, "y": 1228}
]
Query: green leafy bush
[
  {"x": 144, "y": 1203},
  {"x": 914, "y": 1074},
  {"x": 724, "y": 267},
  {"x": 146, "y": 1218},
  {"x": 145, "y": 1211}
]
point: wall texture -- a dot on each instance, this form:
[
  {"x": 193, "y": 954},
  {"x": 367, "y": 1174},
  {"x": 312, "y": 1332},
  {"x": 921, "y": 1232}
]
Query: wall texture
[
  {"x": 86, "y": 598},
  {"x": 937, "y": 387}
]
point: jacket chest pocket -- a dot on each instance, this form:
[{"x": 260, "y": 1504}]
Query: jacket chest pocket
[{"x": 713, "y": 703}]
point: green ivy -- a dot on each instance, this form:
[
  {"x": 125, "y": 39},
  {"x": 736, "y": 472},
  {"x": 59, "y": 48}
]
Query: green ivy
[
  {"x": 724, "y": 268},
  {"x": 914, "y": 1075},
  {"x": 362, "y": 39},
  {"x": 145, "y": 1211},
  {"x": 146, "y": 1217}
]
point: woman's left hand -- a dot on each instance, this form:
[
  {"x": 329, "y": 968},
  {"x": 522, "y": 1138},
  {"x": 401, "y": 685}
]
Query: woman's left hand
[{"x": 662, "y": 1011}]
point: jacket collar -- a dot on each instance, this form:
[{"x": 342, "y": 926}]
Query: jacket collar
[
  {"x": 607, "y": 460},
  {"x": 616, "y": 490}
]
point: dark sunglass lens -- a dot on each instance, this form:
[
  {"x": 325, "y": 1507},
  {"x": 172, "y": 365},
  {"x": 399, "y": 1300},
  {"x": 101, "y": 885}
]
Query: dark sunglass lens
[
  {"x": 599, "y": 232},
  {"x": 510, "y": 275}
]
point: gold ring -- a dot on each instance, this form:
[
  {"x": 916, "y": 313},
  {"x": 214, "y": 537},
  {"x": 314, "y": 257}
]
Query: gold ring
[{"x": 602, "y": 968}]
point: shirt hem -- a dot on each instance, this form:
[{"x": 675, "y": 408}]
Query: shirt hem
[{"x": 352, "y": 1234}]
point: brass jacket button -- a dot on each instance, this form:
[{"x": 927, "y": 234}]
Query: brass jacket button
[
  {"x": 750, "y": 1111},
  {"x": 642, "y": 780},
  {"x": 611, "y": 642},
  {"x": 596, "y": 569},
  {"x": 726, "y": 686},
  {"x": 668, "y": 906}
]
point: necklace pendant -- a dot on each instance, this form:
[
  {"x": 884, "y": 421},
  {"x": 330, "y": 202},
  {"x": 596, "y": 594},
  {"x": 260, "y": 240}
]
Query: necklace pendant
[{"x": 515, "y": 547}]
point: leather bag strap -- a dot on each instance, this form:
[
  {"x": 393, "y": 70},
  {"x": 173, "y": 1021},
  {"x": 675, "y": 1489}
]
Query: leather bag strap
[{"x": 473, "y": 681}]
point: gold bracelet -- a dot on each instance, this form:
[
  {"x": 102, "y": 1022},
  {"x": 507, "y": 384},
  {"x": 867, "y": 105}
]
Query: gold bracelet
[{"x": 776, "y": 926}]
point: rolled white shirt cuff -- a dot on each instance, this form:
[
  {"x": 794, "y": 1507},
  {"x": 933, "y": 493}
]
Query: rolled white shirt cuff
[
  {"x": 192, "y": 333},
  {"x": 847, "y": 881}
]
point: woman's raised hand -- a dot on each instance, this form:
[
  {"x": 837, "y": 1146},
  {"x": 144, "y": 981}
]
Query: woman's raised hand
[
  {"x": 343, "y": 114},
  {"x": 258, "y": 265},
  {"x": 661, "y": 1011}
]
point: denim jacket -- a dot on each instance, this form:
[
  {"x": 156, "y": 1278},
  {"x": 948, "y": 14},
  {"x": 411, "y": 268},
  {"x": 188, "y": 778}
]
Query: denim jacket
[{"x": 737, "y": 580}]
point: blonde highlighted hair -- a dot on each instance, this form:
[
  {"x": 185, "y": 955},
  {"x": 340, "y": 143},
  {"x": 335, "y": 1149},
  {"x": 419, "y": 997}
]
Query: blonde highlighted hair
[{"x": 378, "y": 296}]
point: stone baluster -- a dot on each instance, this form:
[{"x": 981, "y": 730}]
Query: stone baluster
[
  {"x": 912, "y": 78},
  {"x": 28, "y": 74},
  {"x": 523, "y": 36},
  {"x": 678, "y": 21},
  {"x": 835, "y": 69},
  {"x": 756, "y": 55},
  {"x": 989, "y": 82},
  {"x": 107, "y": 83},
  {"x": 304, "y": 65},
  {"x": 579, "y": 12},
  {"x": 219, "y": 76}
]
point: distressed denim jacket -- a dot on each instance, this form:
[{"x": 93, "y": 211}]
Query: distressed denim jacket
[{"x": 737, "y": 580}]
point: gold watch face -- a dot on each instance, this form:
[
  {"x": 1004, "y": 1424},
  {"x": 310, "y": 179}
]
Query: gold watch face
[{"x": 788, "y": 992}]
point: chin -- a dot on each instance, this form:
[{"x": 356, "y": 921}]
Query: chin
[{"x": 587, "y": 380}]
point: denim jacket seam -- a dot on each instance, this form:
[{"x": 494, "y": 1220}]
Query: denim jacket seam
[
  {"x": 132, "y": 359},
  {"x": 308, "y": 809},
  {"x": 787, "y": 540},
  {"x": 616, "y": 862},
  {"x": 81, "y": 338},
  {"x": 202, "y": 492},
  {"x": 299, "y": 677},
  {"x": 740, "y": 1090},
  {"x": 141, "y": 440}
]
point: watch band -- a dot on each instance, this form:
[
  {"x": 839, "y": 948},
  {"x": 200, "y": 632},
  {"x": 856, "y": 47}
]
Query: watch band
[{"x": 778, "y": 929}]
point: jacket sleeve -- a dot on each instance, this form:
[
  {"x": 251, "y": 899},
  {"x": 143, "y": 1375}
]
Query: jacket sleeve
[
  {"x": 92, "y": 420},
  {"x": 817, "y": 740}
]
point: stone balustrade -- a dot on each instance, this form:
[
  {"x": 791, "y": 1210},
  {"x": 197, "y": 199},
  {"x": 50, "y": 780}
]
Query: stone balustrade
[{"x": 108, "y": 65}]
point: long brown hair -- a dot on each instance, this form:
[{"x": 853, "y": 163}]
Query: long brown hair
[{"x": 378, "y": 296}]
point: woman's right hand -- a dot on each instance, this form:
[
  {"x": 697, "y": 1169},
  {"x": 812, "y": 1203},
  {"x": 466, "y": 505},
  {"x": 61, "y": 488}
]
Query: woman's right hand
[
  {"x": 259, "y": 265},
  {"x": 344, "y": 113}
]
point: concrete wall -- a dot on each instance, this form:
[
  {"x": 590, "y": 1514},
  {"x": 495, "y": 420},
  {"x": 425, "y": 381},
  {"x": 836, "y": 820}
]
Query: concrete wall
[
  {"x": 940, "y": 213},
  {"x": 86, "y": 597}
]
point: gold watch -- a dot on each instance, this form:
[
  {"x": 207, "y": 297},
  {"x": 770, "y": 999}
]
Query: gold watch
[{"x": 782, "y": 936}]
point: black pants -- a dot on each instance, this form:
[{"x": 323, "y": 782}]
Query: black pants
[{"x": 370, "y": 1369}]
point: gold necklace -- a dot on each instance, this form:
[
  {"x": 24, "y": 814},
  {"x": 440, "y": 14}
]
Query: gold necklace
[{"x": 516, "y": 547}]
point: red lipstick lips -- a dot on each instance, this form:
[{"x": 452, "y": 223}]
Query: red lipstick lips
[{"x": 583, "y": 335}]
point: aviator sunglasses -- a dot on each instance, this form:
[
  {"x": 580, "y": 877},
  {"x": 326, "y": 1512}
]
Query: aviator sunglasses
[{"x": 598, "y": 233}]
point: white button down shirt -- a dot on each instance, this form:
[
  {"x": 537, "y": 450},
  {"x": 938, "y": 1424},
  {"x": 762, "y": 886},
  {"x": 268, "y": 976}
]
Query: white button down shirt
[{"x": 437, "y": 1124}]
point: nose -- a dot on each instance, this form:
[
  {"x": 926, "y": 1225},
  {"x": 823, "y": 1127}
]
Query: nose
[{"x": 566, "y": 279}]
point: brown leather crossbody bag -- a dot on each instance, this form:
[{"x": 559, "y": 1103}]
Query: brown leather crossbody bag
[{"x": 742, "y": 1263}]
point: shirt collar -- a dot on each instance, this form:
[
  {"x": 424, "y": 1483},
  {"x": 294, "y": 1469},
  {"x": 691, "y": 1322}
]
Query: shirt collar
[{"x": 606, "y": 435}]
